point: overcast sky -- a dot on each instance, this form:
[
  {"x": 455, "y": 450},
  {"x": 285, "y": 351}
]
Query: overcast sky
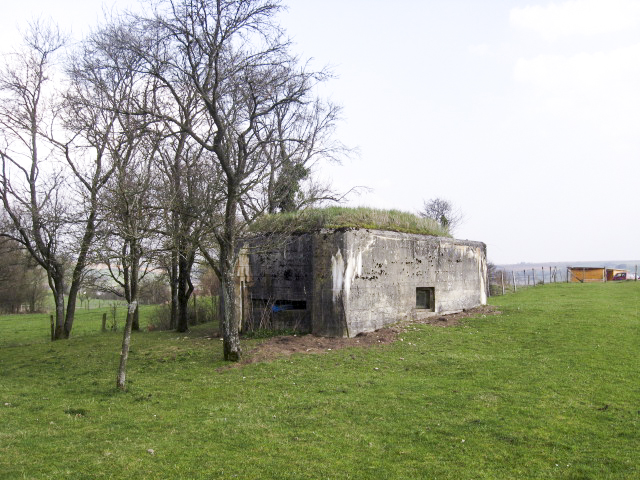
[{"x": 524, "y": 114}]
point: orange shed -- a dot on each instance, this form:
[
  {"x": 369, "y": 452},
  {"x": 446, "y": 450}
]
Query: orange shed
[{"x": 587, "y": 274}]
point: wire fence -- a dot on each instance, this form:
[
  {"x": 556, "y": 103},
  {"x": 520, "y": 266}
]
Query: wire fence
[{"x": 503, "y": 281}]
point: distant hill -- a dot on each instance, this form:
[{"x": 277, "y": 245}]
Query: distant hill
[
  {"x": 629, "y": 265},
  {"x": 535, "y": 272}
]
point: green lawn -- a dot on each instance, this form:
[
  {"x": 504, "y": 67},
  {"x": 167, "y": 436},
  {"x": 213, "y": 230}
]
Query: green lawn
[
  {"x": 548, "y": 389},
  {"x": 27, "y": 329}
]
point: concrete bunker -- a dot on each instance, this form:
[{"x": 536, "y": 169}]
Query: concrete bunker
[{"x": 344, "y": 282}]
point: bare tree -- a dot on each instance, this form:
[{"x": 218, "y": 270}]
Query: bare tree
[
  {"x": 81, "y": 129},
  {"x": 94, "y": 130},
  {"x": 127, "y": 246},
  {"x": 235, "y": 59},
  {"x": 236, "y": 110},
  {"x": 22, "y": 281},
  {"x": 301, "y": 134},
  {"x": 30, "y": 183},
  {"x": 132, "y": 225},
  {"x": 179, "y": 194},
  {"x": 182, "y": 196},
  {"x": 443, "y": 212},
  {"x": 127, "y": 240}
]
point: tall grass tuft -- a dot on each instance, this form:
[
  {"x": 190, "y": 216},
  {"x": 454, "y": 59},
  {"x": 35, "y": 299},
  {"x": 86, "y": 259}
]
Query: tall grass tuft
[{"x": 315, "y": 219}]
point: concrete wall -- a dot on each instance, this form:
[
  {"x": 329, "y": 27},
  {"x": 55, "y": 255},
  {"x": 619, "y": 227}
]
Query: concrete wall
[
  {"x": 278, "y": 274},
  {"x": 360, "y": 280},
  {"x": 375, "y": 276}
]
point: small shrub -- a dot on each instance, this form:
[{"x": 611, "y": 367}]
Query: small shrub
[
  {"x": 206, "y": 311},
  {"x": 160, "y": 318}
]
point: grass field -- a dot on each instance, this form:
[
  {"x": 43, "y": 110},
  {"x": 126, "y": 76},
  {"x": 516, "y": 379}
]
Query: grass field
[
  {"x": 548, "y": 389},
  {"x": 27, "y": 329}
]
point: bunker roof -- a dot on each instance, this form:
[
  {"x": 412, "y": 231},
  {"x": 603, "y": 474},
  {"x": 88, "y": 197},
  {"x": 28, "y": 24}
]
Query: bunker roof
[{"x": 336, "y": 218}]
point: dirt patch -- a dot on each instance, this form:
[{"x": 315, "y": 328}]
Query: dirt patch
[{"x": 276, "y": 347}]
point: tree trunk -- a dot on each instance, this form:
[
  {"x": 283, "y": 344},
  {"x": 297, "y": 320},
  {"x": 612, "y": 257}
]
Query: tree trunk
[
  {"x": 136, "y": 320},
  {"x": 126, "y": 342},
  {"x": 71, "y": 307},
  {"x": 230, "y": 324},
  {"x": 183, "y": 311},
  {"x": 185, "y": 288},
  {"x": 81, "y": 262},
  {"x": 228, "y": 254},
  {"x": 183, "y": 297},
  {"x": 131, "y": 311},
  {"x": 173, "y": 280},
  {"x": 58, "y": 297}
]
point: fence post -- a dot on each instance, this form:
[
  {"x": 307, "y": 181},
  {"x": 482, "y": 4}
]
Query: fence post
[
  {"x": 502, "y": 280},
  {"x": 533, "y": 271},
  {"x": 104, "y": 322},
  {"x": 636, "y": 273},
  {"x": 513, "y": 276}
]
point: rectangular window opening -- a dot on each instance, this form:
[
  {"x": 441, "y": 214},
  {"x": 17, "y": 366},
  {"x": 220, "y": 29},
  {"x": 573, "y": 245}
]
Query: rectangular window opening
[
  {"x": 425, "y": 298},
  {"x": 280, "y": 305}
]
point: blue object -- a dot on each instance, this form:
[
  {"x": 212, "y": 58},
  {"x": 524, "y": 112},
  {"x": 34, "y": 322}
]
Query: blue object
[{"x": 281, "y": 308}]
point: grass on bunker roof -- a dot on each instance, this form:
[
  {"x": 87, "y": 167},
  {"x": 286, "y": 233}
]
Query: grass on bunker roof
[
  {"x": 315, "y": 219},
  {"x": 548, "y": 389}
]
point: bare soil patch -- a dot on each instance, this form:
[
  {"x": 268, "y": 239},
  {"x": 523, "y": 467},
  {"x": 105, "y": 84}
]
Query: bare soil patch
[{"x": 282, "y": 346}]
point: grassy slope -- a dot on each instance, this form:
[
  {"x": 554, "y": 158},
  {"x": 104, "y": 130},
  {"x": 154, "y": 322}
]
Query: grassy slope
[
  {"x": 314, "y": 219},
  {"x": 549, "y": 389}
]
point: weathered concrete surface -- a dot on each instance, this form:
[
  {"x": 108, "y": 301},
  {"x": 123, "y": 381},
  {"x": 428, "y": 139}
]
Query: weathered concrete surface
[
  {"x": 353, "y": 281},
  {"x": 277, "y": 272}
]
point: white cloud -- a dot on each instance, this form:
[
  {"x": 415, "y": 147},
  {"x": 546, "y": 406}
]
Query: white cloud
[{"x": 577, "y": 17}]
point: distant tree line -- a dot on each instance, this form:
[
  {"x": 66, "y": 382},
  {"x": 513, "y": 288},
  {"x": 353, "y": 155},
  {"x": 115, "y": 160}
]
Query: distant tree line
[
  {"x": 154, "y": 143},
  {"x": 22, "y": 287}
]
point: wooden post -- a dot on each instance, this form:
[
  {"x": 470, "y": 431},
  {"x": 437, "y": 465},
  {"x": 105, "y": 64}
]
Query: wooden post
[
  {"x": 524, "y": 273},
  {"x": 533, "y": 271},
  {"x": 513, "y": 276},
  {"x": 104, "y": 322},
  {"x": 53, "y": 328},
  {"x": 502, "y": 280},
  {"x": 542, "y": 268}
]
